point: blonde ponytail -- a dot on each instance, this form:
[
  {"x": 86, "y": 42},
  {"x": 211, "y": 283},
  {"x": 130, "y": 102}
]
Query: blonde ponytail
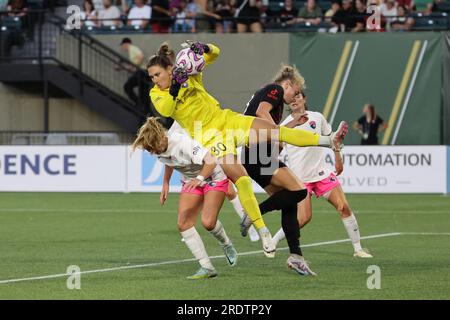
[
  {"x": 290, "y": 73},
  {"x": 150, "y": 136}
]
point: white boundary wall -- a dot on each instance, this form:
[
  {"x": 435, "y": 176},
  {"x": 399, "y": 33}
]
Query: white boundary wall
[{"x": 380, "y": 169}]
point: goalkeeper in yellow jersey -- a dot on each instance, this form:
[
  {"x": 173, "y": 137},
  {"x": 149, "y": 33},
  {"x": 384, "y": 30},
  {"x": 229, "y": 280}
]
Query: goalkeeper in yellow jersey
[{"x": 185, "y": 99}]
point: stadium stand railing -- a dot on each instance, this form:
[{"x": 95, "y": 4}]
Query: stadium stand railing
[{"x": 41, "y": 48}]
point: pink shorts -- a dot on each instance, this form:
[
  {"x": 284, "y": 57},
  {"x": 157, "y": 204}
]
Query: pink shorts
[
  {"x": 209, "y": 186},
  {"x": 323, "y": 186}
]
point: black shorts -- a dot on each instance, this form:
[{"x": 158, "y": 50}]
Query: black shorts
[
  {"x": 261, "y": 168},
  {"x": 249, "y": 16}
]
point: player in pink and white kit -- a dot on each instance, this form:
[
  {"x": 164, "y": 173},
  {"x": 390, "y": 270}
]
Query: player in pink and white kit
[
  {"x": 204, "y": 187},
  {"x": 309, "y": 165}
]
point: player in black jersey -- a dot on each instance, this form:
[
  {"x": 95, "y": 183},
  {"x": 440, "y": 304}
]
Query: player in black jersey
[{"x": 262, "y": 163}]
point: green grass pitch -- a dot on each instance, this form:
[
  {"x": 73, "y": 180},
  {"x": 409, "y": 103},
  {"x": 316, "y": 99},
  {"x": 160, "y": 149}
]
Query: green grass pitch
[{"x": 41, "y": 234}]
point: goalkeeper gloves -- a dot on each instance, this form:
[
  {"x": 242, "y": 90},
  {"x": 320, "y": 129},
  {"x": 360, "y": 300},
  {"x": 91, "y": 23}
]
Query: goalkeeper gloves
[
  {"x": 179, "y": 76},
  {"x": 200, "y": 48}
]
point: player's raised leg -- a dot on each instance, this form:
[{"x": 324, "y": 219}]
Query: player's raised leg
[{"x": 296, "y": 137}]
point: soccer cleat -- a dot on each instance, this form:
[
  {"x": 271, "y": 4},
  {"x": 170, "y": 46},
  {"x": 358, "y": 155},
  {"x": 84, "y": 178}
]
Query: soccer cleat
[
  {"x": 203, "y": 273},
  {"x": 230, "y": 254},
  {"x": 245, "y": 224},
  {"x": 266, "y": 239},
  {"x": 253, "y": 234},
  {"x": 299, "y": 265},
  {"x": 337, "y": 137},
  {"x": 362, "y": 254}
]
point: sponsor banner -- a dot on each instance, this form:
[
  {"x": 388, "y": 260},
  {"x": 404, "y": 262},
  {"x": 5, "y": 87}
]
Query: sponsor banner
[
  {"x": 376, "y": 169},
  {"x": 62, "y": 168},
  {"x": 448, "y": 169},
  {"x": 146, "y": 173},
  {"x": 393, "y": 169}
]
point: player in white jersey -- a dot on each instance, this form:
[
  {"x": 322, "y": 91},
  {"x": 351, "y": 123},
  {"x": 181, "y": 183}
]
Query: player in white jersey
[
  {"x": 309, "y": 165},
  {"x": 204, "y": 188},
  {"x": 231, "y": 194}
]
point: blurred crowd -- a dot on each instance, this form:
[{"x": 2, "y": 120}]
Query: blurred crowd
[{"x": 221, "y": 16}]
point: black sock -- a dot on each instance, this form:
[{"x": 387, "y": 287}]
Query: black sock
[
  {"x": 282, "y": 199},
  {"x": 291, "y": 229}
]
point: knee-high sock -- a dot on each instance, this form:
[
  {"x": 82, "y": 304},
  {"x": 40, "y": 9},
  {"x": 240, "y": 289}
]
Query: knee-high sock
[
  {"x": 240, "y": 211},
  {"x": 248, "y": 201},
  {"x": 238, "y": 207},
  {"x": 291, "y": 228},
  {"x": 351, "y": 225},
  {"x": 195, "y": 244},
  {"x": 298, "y": 137},
  {"x": 219, "y": 233},
  {"x": 278, "y": 236},
  {"x": 281, "y": 199}
]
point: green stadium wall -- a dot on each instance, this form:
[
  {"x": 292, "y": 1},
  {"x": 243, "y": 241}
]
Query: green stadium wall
[{"x": 343, "y": 72}]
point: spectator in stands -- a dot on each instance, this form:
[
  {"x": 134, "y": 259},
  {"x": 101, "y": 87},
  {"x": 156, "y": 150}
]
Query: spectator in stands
[
  {"x": 181, "y": 24},
  {"x": 205, "y": 18},
  {"x": 225, "y": 9},
  {"x": 279, "y": 18},
  {"x": 362, "y": 15},
  {"x": 434, "y": 6},
  {"x": 402, "y": 22},
  {"x": 139, "y": 77},
  {"x": 288, "y": 12},
  {"x": 248, "y": 16},
  {"x": 89, "y": 14},
  {"x": 369, "y": 125},
  {"x": 388, "y": 10},
  {"x": 109, "y": 16},
  {"x": 335, "y": 7},
  {"x": 192, "y": 11},
  {"x": 17, "y": 8},
  {"x": 309, "y": 14},
  {"x": 125, "y": 7},
  {"x": 140, "y": 14},
  {"x": 407, "y": 4},
  {"x": 162, "y": 16},
  {"x": 346, "y": 18}
]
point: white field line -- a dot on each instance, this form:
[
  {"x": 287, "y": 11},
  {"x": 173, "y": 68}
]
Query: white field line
[
  {"x": 343, "y": 83},
  {"x": 408, "y": 94},
  {"x": 61, "y": 275}
]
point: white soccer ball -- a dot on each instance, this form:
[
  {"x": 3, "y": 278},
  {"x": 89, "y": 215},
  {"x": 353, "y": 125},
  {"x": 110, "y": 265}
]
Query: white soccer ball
[{"x": 192, "y": 62}]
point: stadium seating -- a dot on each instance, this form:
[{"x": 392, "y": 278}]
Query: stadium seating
[{"x": 434, "y": 21}]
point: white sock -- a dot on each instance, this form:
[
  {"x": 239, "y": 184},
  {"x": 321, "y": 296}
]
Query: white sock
[
  {"x": 219, "y": 233},
  {"x": 195, "y": 244},
  {"x": 351, "y": 225},
  {"x": 325, "y": 141},
  {"x": 238, "y": 206},
  {"x": 253, "y": 234},
  {"x": 278, "y": 236}
]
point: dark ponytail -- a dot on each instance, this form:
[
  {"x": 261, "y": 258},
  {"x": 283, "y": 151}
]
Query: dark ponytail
[{"x": 164, "y": 57}]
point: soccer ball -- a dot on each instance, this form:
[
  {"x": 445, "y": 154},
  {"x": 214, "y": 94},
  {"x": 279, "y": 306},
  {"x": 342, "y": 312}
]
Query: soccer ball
[{"x": 193, "y": 63}]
